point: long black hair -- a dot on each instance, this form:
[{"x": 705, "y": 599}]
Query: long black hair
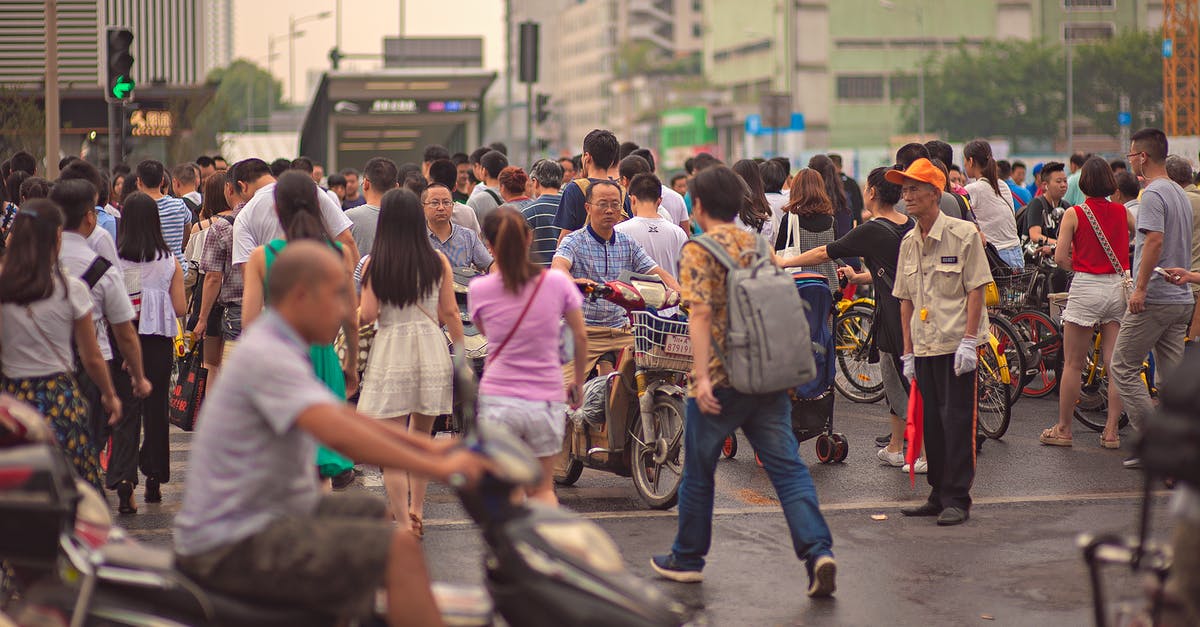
[
  {"x": 404, "y": 266},
  {"x": 31, "y": 259},
  {"x": 980, "y": 152},
  {"x": 140, "y": 237},
  {"x": 833, "y": 183},
  {"x": 298, "y": 207},
  {"x": 757, "y": 210}
]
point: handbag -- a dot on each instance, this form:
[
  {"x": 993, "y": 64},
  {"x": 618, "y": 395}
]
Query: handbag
[
  {"x": 1126, "y": 279},
  {"x": 366, "y": 339},
  {"x": 792, "y": 249},
  {"x": 189, "y": 388}
]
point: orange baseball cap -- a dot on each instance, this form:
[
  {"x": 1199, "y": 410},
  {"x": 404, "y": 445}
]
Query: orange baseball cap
[{"x": 921, "y": 170}]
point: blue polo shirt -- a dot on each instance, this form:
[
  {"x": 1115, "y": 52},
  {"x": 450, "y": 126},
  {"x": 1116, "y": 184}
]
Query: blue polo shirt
[
  {"x": 463, "y": 248},
  {"x": 593, "y": 257}
]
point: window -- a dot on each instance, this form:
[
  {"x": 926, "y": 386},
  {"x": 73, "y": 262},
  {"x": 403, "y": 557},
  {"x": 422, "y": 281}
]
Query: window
[
  {"x": 860, "y": 87},
  {"x": 697, "y": 30},
  {"x": 902, "y": 86},
  {"x": 1089, "y": 5},
  {"x": 1088, "y": 31}
]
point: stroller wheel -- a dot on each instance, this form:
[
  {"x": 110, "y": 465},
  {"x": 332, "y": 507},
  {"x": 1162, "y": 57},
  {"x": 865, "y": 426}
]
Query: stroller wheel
[
  {"x": 825, "y": 448},
  {"x": 729, "y": 449},
  {"x": 841, "y": 447}
]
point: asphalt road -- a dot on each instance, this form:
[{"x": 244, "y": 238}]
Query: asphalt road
[{"x": 1014, "y": 563}]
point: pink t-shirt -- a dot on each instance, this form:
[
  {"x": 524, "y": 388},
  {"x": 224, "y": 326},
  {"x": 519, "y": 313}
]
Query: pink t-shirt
[{"x": 528, "y": 367}]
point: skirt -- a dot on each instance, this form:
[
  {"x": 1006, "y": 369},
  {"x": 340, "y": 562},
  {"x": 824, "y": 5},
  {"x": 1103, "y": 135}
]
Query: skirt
[{"x": 65, "y": 409}]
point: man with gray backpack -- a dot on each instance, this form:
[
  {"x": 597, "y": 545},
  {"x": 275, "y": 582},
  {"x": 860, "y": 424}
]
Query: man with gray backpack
[{"x": 741, "y": 304}]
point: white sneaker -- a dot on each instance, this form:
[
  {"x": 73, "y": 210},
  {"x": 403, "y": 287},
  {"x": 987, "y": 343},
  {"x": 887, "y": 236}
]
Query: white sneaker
[
  {"x": 895, "y": 460},
  {"x": 922, "y": 467}
]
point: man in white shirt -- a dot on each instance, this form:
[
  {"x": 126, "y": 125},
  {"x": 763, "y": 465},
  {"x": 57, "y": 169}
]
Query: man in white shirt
[
  {"x": 672, "y": 201},
  {"x": 258, "y": 224},
  {"x": 660, "y": 238}
]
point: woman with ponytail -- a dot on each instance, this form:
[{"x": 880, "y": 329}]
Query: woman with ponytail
[
  {"x": 299, "y": 212},
  {"x": 520, "y": 307},
  {"x": 40, "y": 309},
  {"x": 408, "y": 287},
  {"x": 992, "y": 202}
]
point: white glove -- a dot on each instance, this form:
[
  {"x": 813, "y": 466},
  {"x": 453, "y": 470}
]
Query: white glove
[
  {"x": 910, "y": 367},
  {"x": 966, "y": 358}
]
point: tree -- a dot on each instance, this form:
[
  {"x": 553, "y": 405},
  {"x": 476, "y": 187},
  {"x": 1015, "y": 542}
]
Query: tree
[
  {"x": 1128, "y": 64},
  {"x": 245, "y": 93},
  {"x": 22, "y": 123}
]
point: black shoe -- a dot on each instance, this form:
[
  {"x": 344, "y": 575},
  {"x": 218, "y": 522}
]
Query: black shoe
[
  {"x": 343, "y": 480},
  {"x": 926, "y": 509},
  {"x": 125, "y": 504},
  {"x": 153, "y": 493},
  {"x": 952, "y": 516},
  {"x": 883, "y": 440}
]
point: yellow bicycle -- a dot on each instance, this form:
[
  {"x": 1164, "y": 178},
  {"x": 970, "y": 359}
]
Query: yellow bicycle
[{"x": 856, "y": 377}]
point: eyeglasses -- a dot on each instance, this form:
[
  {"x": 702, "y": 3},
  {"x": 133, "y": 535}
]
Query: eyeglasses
[
  {"x": 607, "y": 206},
  {"x": 447, "y": 204},
  {"x": 1134, "y": 154}
]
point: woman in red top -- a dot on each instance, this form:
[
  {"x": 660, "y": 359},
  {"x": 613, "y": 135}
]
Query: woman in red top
[{"x": 1096, "y": 296}]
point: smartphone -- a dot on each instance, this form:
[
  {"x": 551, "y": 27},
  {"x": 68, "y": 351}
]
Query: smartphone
[{"x": 1164, "y": 273}]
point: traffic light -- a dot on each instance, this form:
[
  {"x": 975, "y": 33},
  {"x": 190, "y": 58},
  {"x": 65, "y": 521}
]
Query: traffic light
[
  {"x": 119, "y": 84},
  {"x": 335, "y": 57},
  {"x": 543, "y": 108}
]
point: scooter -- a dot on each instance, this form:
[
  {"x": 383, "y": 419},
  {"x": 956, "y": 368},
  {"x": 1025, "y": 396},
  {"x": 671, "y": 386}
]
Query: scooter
[
  {"x": 631, "y": 423},
  {"x": 544, "y": 566},
  {"x": 475, "y": 345}
]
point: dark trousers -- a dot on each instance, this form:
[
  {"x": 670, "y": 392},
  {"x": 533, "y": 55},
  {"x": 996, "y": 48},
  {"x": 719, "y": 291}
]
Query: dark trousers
[
  {"x": 149, "y": 414},
  {"x": 950, "y": 422}
]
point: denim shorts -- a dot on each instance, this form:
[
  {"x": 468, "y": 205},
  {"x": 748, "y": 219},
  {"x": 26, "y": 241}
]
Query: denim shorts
[
  {"x": 1095, "y": 299},
  {"x": 540, "y": 424}
]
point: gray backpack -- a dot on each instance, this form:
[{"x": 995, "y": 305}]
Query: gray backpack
[{"x": 767, "y": 344}]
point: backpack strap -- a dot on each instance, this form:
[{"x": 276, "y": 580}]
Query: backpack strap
[
  {"x": 717, "y": 250},
  {"x": 494, "y": 195},
  {"x": 94, "y": 272}
]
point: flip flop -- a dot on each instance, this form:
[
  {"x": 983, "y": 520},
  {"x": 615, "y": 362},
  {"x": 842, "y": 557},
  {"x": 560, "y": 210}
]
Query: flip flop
[
  {"x": 1050, "y": 437},
  {"x": 1110, "y": 443}
]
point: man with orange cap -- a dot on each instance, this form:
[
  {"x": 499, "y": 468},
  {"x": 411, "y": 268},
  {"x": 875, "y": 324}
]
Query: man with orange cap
[{"x": 942, "y": 271}]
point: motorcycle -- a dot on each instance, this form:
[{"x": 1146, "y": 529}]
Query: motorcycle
[
  {"x": 544, "y": 566},
  {"x": 475, "y": 344},
  {"x": 631, "y": 422}
]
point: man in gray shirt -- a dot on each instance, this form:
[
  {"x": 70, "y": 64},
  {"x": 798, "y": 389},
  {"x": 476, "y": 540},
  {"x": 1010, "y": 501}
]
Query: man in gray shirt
[
  {"x": 254, "y": 522},
  {"x": 1159, "y": 312},
  {"x": 379, "y": 176},
  {"x": 486, "y": 197}
]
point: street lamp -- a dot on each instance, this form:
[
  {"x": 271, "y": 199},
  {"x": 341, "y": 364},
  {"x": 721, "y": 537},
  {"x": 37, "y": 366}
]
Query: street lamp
[
  {"x": 293, "y": 22},
  {"x": 919, "y": 11}
]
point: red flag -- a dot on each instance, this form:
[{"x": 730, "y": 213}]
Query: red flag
[{"x": 914, "y": 431}]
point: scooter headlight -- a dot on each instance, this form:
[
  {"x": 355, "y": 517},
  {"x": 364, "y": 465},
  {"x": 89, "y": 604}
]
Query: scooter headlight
[{"x": 585, "y": 542}]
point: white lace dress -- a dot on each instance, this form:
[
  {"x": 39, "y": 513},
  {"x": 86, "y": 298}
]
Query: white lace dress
[{"x": 409, "y": 369}]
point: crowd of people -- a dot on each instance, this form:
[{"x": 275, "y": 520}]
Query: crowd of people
[{"x": 264, "y": 263}]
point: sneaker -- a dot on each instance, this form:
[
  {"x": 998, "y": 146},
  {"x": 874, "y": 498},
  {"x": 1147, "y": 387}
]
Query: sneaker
[
  {"x": 922, "y": 467},
  {"x": 883, "y": 440},
  {"x": 822, "y": 577},
  {"x": 1132, "y": 463},
  {"x": 895, "y": 460},
  {"x": 666, "y": 568}
]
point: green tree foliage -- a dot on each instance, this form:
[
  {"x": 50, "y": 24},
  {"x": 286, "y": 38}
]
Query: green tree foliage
[
  {"x": 1018, "y": 89},
  {"x": 245, "y": 93},
  {"x": 22, "y": 123}
]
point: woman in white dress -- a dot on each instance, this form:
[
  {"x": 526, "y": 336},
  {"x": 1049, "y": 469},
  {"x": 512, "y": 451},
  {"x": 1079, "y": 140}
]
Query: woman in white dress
[{"x": 409, "y": 288}]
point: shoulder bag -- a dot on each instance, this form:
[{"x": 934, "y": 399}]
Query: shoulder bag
[{"x": 1126, "y": 279}]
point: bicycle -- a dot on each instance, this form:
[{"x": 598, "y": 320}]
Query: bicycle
[
  {"x": 856, "y": 378},
  {"x": 995, "y": 389},
  {"x": 1092, "y": 409},
  {"x": 1037, "y": 342}
]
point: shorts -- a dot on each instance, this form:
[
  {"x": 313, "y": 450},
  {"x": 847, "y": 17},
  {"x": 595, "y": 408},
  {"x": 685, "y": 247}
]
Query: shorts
[
  {"x": 539, "y": 424},
  {"x": 231, "y": 321},
  {"x": 330, "y": 562},
  {"x": 213, "y": 328},
  {"x": 895, "y": 388},
  {"x": 1095, "y": 299}
]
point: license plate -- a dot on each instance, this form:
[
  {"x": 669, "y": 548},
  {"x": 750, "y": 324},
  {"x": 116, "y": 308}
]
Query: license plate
[{"x": 678, "y": 345}]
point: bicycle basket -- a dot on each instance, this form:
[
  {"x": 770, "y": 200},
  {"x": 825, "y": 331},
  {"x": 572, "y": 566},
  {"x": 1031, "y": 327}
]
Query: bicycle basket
[
  {"x": 661, "y": 343},
  {"x": 1012, "y": 285}
]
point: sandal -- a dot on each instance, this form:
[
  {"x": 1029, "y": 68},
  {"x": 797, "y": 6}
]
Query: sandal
[
  {"x": 125, "y": 503},
  {"x": 1107, "y": 443},
  {"x": 1053, "y": 437},
  {"x": 418, "y": 527}
]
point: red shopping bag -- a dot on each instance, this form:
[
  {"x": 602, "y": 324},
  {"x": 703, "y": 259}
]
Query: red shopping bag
[{"x": 914, "y": 431}]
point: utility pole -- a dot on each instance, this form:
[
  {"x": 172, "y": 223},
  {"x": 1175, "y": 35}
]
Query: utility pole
[
  {"x": 1070, "y": 101},
  {"x": 508, "y": 70},
  {"x": 292, "y": 59},
  {"x": 51, "y": 102},
  {"x": 401, "y": 33}
]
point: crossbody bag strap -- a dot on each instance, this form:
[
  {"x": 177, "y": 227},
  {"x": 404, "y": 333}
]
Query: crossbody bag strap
[
  {"x": 1112, "y": 257},
  {"x": 493, "y": 355}
]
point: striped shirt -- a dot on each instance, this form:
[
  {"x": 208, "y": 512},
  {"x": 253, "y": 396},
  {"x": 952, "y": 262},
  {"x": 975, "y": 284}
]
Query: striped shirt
[
  {"x": 175, "y": 218},
  {"x": 540, "y": 216}
]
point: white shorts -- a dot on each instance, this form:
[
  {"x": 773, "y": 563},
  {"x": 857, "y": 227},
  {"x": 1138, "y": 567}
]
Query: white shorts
[
  {"x": 1095, "y": 299},
  {"x": 540, "y": 424}
]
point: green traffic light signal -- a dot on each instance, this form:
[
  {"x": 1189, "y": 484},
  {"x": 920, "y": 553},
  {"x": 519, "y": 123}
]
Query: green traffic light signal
[{"x": 122, "y": 87}]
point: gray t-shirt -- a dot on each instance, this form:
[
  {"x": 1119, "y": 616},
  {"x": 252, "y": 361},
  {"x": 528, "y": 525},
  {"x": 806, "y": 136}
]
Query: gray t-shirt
[
  {"x": 250, "y": 464},
  {"x": 483, "y": 201},
  {"x": 1164, "y": 208},
  {"x": 947, "y": 204},
  {"x": 365, "y": 219}
]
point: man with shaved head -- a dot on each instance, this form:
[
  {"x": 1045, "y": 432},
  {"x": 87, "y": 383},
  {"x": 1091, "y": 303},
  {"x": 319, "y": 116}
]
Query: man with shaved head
[{"x": 254, "y": 522}]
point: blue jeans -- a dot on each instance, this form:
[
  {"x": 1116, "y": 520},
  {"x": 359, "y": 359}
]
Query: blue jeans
[
  {"x": 766, "y": 421},
  {"x": 1013, "y": 256}
]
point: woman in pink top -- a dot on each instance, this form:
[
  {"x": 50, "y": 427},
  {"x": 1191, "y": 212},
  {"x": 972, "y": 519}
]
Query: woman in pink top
[{"x": 520, "y": 309}]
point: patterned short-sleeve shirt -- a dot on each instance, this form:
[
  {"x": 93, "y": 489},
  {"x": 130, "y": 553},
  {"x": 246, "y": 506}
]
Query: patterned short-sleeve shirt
[
  {"x": 217, "y": 256},
  {"x": 601, "y": 260}
]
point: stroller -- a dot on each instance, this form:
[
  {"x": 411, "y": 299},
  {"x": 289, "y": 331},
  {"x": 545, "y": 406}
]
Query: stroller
[{"x": 812, "y": 402}]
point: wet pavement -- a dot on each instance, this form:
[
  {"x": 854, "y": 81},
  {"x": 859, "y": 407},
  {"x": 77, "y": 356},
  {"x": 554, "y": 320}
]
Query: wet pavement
[{"x": 1014, "y": 563}]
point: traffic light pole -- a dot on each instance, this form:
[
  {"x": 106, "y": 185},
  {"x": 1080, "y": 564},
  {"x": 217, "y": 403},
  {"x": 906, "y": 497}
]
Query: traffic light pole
[
  {"x": 116, "y": 138},
  {"x": 51, "y": 100},
  {"x": 529, "y": 123}
]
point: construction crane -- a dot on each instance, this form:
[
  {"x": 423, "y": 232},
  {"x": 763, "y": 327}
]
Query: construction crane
[{"x": 1181, "y": 67}]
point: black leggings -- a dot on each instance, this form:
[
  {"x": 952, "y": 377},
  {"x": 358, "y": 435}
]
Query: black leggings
[{"x": 150, "y": 413}]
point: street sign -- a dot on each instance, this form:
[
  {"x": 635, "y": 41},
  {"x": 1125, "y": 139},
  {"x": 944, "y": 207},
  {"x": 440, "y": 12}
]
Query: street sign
[
  {"x": 1168, "y": 48},
  {"x": 755, "y": 125},
  {"x": 1124, "y": 118}
]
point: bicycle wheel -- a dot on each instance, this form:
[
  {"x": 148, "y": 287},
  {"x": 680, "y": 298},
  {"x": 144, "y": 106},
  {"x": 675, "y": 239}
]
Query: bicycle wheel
[
  {"x": 994, "y": 395},
  {"x": 856, "y": 378},
  {"x": 1044, "y": 336},
  {"x": 1091, "y": 410},
  {"x": 658, "y": 461},
  {"x": 1009, "y": 343}
]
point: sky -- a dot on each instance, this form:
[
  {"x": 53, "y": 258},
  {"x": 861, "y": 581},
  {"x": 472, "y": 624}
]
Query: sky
[{"x": 364, "y": 25}]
